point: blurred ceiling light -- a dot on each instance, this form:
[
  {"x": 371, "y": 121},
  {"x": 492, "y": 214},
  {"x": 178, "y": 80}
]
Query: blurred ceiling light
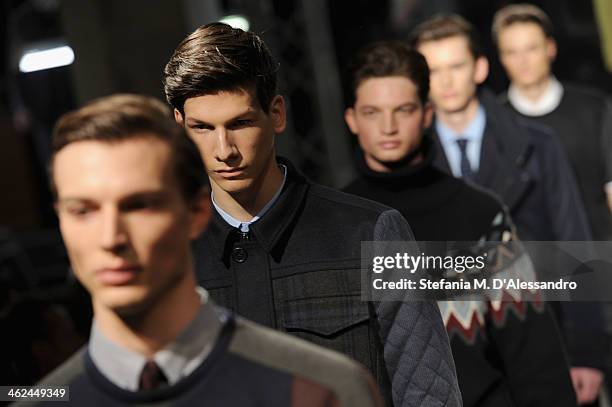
[
  {"x": 236, "y": 21},
  {"x": 39, "y": 59}
]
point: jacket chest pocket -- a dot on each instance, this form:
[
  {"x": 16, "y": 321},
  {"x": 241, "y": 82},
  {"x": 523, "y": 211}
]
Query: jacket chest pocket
[{"x": 340, "y": 323}]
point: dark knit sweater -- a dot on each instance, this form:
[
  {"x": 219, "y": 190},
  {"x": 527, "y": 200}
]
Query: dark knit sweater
[
  {"x": 248, "y": 366},
  {"x": 506, "y": 354}
]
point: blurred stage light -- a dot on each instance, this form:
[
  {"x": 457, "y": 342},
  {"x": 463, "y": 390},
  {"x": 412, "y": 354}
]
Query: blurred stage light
[
  {"x": 236, "y": 21},
  {"x": 40, "y": 59}
]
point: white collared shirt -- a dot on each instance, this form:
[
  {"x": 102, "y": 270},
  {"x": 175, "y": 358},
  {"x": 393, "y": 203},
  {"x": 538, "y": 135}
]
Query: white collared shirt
[
  {"x": 244, "y": 226},
  {"x": 123, "y": 367}
]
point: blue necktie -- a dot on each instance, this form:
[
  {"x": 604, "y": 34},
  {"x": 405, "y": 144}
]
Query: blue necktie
[{"x": 466, "y": 168}]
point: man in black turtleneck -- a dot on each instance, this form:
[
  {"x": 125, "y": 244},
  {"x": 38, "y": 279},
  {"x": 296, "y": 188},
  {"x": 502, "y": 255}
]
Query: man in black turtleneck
[{"x": 506, "y": 353}]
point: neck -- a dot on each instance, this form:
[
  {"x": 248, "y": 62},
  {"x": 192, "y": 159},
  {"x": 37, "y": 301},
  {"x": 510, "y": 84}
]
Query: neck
[
  {"x": 244, "y": 205},
  {"x": 151, "y": 330},
  {"x": 410, "y": 161},
  {"x": 534, "y": 91},
  {"x": 458, "y": 121}
]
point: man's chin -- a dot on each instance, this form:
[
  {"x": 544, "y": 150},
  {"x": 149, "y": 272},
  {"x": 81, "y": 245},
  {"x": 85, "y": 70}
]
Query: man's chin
[
  {"x": 235, "y": 186},
  {"x": 126, "y": 304},
  {"x": 455, "y": 107}
]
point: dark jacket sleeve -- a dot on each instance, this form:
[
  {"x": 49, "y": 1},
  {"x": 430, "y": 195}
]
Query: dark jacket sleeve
[
  {"x": 565, "y": 205},
  {"x": 582, "y": 322},
  {"x": 416, "y": 347},
  {"x": 528, "y": 341}
]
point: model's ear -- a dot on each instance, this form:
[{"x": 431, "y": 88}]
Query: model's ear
[
  {"x": 178, "y": 117},
  {"x": 278, "y": 114},
  {"x": 200, "y": 213},
  {"x": 427, "y": 115},
  {"x": 481, "y": 70},
  {"x": 551, "y": 49},
  {"x": 351, "y": 122}
]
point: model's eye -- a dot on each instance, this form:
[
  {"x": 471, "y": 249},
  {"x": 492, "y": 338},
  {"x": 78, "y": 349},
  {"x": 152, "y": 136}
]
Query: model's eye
[
  {"x": 142, "y": 204},
  {"x": 369, "y": 112},
  {"x": 200, "y": 127},
  {"x": 79, "y": 210},
  {"x": 407, "y": 109},
  {"x": 241, "y": 123}
]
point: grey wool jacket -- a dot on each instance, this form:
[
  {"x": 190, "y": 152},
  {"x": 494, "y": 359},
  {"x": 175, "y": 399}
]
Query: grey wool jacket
[{"x": 298, "y": 271}]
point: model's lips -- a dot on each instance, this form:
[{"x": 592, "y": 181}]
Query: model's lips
[
  {"x": 230, "y": 172},
  {"x": 389, "y": 145},
  {"x": 118, "y": 275}
]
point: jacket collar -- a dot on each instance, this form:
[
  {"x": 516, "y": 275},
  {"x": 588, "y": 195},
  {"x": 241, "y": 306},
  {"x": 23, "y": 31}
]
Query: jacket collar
[
  {"x": 276, "y": 222},
  {"x": 503, "y": 127},
  {"x": 506, "y": 148}
]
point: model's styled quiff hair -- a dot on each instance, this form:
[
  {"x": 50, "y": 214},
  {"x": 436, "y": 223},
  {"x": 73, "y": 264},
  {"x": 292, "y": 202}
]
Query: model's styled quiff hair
[
  {"x": 217, "y": 57},
  {"x": 390, "y": 58},
  {"x": 520, "y": 13},
  {"x": 443, "y": 26},
  {"x": 121, "y": 117}
]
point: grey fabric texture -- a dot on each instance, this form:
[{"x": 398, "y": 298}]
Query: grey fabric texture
[
  {"x": 351, "y": 383},
  {"x": 417, "y": 351}
]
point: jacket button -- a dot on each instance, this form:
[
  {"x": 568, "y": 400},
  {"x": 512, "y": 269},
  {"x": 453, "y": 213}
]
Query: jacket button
[{"x": 239, "y": 255}]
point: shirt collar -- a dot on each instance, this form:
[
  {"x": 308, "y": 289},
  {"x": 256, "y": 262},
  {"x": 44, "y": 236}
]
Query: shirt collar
[
  {"x": 268, "y": 230},
  {"x": 123, "y": 366},
  {"x": 473, "y": 132},
  {"x": 244, "y": 226},
  {"x": 549, "y": 101}
]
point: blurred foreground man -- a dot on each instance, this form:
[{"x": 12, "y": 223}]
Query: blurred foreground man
[
  {"x": 131, "y": 196},
  {"x": 507, "y": 353},
  {"x": 581, "y": 117},
  {"x": 286, "y": 252}
]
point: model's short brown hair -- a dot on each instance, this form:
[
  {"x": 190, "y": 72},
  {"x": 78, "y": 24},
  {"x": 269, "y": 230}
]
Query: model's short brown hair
[
  {"x": 122, "y": 117},
  {"x": 390, "y": 58},
  {"x": 217, "y": 57},
  {"x": 443, "y": 26},
  {"x": 520, "y": 13}
]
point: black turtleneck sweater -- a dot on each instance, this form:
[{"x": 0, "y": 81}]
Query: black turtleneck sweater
[
  {"x": 507, "y": 354},
  {"x": 429, "y": 199}
]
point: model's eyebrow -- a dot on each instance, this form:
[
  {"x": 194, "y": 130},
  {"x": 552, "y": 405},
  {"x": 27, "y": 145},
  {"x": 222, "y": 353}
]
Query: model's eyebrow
[
  {"x": 74, "y": 200},
  {"x": 405, "y": 104},
  {"x": 192, "y": 121},
  {"x": 148, "y": 195},
  {"x": 362, "y": 107}
]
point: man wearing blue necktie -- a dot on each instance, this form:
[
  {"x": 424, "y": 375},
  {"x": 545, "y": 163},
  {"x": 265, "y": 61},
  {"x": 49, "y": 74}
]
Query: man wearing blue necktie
[{"x": 521, "y": 162}]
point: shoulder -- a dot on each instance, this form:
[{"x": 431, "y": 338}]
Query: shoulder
[
  {"x": 336, "y": 199},
  {"x": 478, "y": 199},
  {"x": 583, "y": 96},
  {"x": 346, "y": 378},
  {"x": 355, "y": 187},
  {"x": 65, "y": 375},
  {"x": 67, "y": 372},
  {"x": 323, "y": 198},
  {"x": 331, "y": 205},
  {"x": 541, "y": 137},
  {"x": 535, "y": 130}
]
